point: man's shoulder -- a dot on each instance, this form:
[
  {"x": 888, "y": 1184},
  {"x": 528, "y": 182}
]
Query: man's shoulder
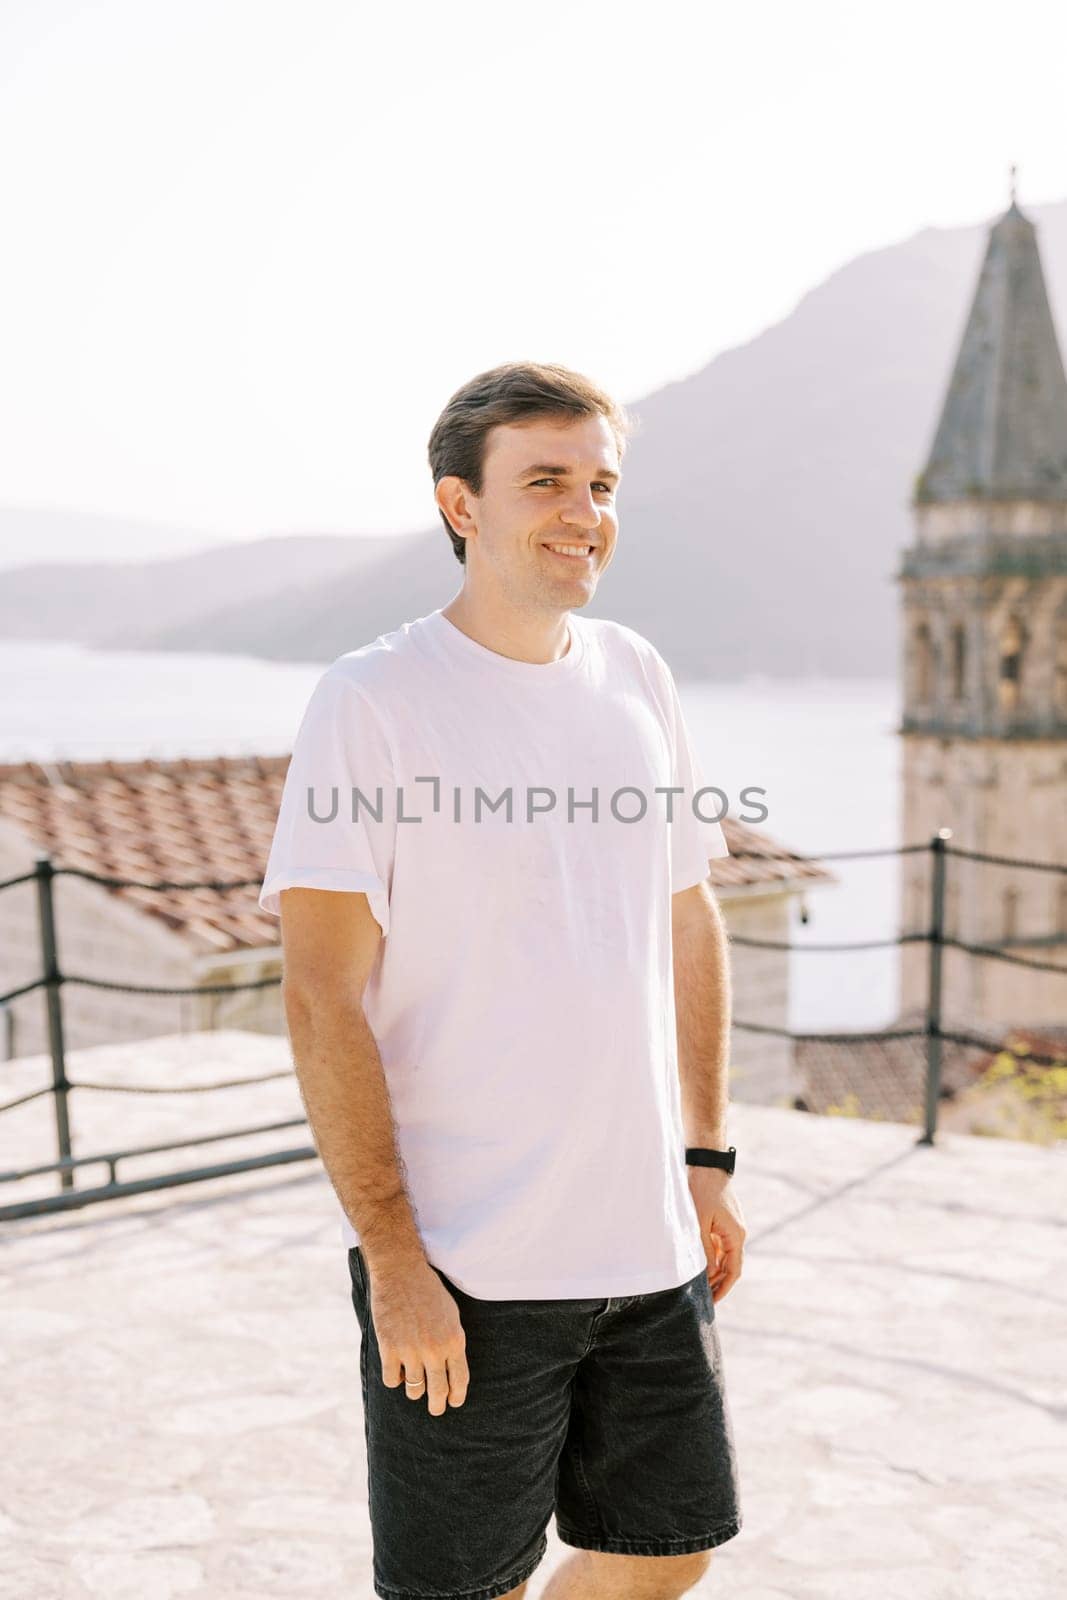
[
  {"x": 385, "y": 666},
  {"x": 616, "y": 638}
]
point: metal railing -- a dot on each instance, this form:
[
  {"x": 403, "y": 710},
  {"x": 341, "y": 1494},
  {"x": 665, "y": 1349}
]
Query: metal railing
[{"x": 53, "y": 980}]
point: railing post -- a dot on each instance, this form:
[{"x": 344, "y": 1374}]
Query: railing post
[
  {"x": 53, "y": 980},
  {"x": 933, "y": 999}
]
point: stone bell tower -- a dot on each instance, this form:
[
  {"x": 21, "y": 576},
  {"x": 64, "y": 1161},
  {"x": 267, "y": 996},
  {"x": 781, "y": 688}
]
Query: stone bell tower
[{"x": 984, "y": 654}]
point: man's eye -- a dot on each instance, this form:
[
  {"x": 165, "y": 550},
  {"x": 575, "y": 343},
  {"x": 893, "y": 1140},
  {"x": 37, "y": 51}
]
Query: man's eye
[{"x": 607, "y": 488}]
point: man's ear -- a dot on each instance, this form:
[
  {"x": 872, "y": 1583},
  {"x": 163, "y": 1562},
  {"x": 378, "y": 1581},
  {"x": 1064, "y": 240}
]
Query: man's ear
[{"x": 454, "y": 498}]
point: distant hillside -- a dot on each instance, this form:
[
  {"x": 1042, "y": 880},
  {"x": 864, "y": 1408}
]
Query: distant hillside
[
  {"x": 764, "y": 503},
  {"x": 54, "y": 534},
  {"x": 132, "y": 605},
  {"x": 765, "y": 499},
  {"x": 276, "y": 626},
  {"x": 772, "y": 488}
]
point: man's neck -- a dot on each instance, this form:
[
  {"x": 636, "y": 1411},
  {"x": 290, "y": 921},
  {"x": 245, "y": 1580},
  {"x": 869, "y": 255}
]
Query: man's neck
[{"x": 518, "y": 635}]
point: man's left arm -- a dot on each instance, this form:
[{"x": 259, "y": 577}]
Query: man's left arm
[{"x": 702, "y": 1000}]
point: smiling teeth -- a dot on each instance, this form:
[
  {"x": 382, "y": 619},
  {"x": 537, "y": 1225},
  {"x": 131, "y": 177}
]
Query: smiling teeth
[{"x": 571, "y": 550}]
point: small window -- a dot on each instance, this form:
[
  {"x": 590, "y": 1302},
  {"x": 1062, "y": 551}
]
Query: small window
[
  {"x": 923, "y": 664},
  {"x": 1060, "y": 667},
  {"x": 952, "y": 911},
  {"x": 959, "y": 662},
  {"x": 1012, "y": 650},
  {"x": 1010, "y": 925}
]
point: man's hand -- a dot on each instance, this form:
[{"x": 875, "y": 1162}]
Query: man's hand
[
  {"x": 419, "y": 1333},
  {"x": 722, "y": 1226}
]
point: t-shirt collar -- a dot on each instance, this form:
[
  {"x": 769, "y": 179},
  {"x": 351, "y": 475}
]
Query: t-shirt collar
[{"x": 461, "y": 646}]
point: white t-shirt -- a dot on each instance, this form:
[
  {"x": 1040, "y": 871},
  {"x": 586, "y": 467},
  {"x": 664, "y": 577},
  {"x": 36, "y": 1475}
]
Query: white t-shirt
[{"x": 522, "y": 999}]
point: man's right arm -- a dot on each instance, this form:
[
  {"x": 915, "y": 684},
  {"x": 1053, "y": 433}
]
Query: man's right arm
[
  {"x": 330, "y": 940},
  {"x": 331, "y": 943}
]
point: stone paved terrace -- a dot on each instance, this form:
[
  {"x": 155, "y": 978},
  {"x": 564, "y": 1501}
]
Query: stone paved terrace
[{"x": 180, "y": 1381}]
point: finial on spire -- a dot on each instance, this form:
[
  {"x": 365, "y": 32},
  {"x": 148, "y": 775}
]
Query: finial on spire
[{"x": 1013, "y": 169}]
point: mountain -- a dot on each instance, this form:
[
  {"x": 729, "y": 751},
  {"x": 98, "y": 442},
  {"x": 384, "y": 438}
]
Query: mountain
[
  {"x": 277, "y": 625},
  {"x": 54, "y": 535},
  {"x": 764, "y": 502},
  {"x": 133, "y": 605},
  {"x": 765, "y": 499},
  {"x": 778, "y": 479}
]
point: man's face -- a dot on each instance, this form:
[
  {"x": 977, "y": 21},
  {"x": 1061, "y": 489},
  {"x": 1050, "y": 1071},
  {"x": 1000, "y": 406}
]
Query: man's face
[{"x": 549, "y": 482}]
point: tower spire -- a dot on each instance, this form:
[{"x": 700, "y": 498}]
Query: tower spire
[{"x": 1003, "y": 429}]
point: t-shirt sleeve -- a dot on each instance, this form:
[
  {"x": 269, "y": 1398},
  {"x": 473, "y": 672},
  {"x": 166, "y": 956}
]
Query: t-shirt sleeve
[
  {"x": 694, "y": 842},
  {"x": 326, "y": 836}
]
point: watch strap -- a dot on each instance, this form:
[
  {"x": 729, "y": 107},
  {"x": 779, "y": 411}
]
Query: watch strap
[{"x": 695, "y": 1156}]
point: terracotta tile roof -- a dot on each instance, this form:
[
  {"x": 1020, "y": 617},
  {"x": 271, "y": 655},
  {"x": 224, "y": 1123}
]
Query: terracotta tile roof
[
  {"x": 883, "y": 1079},
  {"x": 195, "y": 819},
  {"x": 1027, "y": 1041},
  {"x": 184, "y": 820},
  {"x": 759, "y": 859},
  {"x": 886, "y": 1078}
]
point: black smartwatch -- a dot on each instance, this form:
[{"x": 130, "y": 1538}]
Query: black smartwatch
[{"x": 696, "y": 1157}]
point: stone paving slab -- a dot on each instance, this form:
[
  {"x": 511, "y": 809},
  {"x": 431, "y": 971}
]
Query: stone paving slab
[{"x": 180, "y": 1383}]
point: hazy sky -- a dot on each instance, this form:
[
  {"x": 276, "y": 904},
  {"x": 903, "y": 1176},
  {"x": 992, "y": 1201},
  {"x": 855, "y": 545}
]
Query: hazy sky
[{"x": 250, "y": 247}]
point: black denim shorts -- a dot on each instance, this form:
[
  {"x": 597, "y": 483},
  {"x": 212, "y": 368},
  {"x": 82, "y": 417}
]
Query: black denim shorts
[{"x": 610, "y": 1414}]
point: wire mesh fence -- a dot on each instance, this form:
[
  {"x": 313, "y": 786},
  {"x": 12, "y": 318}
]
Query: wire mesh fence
[{"x": 918, "y": 1063}]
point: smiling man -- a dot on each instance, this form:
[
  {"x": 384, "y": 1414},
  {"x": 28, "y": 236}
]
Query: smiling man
[{"x": 507, "y": 990}]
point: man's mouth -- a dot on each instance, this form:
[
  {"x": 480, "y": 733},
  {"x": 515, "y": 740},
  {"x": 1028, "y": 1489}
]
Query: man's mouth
[{"x": 571, "y": 552}]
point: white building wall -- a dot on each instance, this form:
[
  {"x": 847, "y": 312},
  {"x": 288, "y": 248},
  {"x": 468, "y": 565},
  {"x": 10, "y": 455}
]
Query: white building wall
[
  {"x": 1003, "y": 798},
  {"x": 97, "y": 936},
  {"x": 761, "y": 1065}
]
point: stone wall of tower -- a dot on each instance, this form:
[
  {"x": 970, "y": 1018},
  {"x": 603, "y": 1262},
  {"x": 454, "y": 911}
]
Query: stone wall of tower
[
  {"x": 985, "y": 655},
  {"x": 1000, "y": 798},
  {"x": 984, "y": 658}
]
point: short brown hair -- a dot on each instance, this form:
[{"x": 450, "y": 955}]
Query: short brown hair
[{"x": 518, "y": 391}]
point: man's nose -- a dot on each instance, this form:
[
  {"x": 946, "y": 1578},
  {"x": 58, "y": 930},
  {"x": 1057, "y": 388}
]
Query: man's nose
[{"x": 581, "y": 511}]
